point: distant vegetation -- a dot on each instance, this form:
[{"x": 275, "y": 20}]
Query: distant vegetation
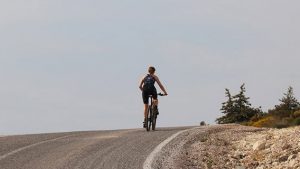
[{"x": 238, "y": 109}]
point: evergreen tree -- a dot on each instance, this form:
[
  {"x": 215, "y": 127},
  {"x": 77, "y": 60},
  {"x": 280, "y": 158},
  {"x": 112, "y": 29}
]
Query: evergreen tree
[
  {"x": 288, "y": 105},
  {"x": 242, "y": 105},
  {"x": 238, "y": 108},
  {"x": 227, "y": 109},
  {"x": 290, "y": 101}
]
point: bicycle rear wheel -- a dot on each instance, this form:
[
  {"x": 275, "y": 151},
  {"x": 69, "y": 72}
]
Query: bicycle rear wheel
[{"x": 149, "y": 119}]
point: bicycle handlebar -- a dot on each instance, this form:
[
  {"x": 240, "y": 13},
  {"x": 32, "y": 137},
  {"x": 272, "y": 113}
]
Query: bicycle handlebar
[{"x": 160, "y": 94}]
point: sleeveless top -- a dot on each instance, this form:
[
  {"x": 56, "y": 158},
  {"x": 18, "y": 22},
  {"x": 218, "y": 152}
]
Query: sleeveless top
[{"x": 149, "y": 82}]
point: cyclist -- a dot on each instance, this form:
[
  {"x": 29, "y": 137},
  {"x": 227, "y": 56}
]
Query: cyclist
[{"x": 148, "y": 88}]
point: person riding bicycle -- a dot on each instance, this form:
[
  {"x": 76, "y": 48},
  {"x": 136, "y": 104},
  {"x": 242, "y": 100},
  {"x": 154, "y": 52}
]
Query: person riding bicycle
[{"x": 148, "y": 88}]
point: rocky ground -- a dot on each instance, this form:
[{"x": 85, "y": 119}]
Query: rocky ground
[
  {"x": 272, "y": 148},
  {"x": 234, "y": 147}
]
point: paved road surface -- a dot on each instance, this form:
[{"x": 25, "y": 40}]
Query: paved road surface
[{"x": 82, "y": 150}]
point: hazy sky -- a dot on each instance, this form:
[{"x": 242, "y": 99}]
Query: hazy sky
[{"x": 70, "y": 65}]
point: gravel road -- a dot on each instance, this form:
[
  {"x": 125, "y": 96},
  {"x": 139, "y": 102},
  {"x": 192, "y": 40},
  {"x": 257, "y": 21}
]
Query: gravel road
[{"x": 119, "y": 149}]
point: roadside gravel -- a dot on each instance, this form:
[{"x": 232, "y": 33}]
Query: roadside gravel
[
  {"x": 272, "y": 148},
  {"x": 232, "y": 147}
]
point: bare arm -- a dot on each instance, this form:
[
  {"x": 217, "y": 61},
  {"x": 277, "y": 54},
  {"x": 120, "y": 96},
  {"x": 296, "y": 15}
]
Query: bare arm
[
  {"x": 142, "y": 83},
  {"x": 160, "y": 85}
]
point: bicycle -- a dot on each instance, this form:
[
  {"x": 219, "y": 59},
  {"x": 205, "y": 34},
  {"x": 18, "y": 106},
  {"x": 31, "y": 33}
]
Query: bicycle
[{"x": 152, "y": 114}]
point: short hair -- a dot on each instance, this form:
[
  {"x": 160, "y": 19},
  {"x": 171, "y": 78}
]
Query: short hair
[{"x": 151, "y": 69}]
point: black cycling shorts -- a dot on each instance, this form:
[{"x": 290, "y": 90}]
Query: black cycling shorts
[{"x": 147, "y": 93}]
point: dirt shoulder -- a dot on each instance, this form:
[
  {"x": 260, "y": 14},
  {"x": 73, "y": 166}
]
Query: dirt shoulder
[{"x": 232, "y": 146}]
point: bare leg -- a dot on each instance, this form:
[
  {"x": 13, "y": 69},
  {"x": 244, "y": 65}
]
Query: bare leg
[
  {"x": 145, "y": 111},
  {"x": 155, "y": 105},
  {"x": 155, "y": 102}
]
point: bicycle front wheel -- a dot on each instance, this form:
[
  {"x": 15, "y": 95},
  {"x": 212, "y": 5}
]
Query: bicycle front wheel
[
  {"x": 149, "y": 119},
  {"x": 153, "y": 123},
  {"x": 154, "y": 117}
]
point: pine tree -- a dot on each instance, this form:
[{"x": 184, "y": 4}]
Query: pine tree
[
  {"x": 290, "y": 101},
  {"x": 288, "y": 105},
  {"x": 227, "y": 109},
  {"x": 242, "y": 105},
  {"x": 238, "y": 108}
]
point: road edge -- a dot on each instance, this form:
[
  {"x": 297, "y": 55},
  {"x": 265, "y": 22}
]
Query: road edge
[{"x": 149, "y": 160}]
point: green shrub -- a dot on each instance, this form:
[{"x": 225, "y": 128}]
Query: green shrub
[
  {"x": 247, "y": 123},
  {"x": 296, "y": 121},
  {"x": 296, "y": 114},
  {"x": 281, "y": 124},
  {"x": 287, "y": 120}
]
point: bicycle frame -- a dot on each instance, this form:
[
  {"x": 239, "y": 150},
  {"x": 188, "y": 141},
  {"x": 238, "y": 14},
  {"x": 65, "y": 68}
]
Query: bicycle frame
[{"x": 151, "y": 114}]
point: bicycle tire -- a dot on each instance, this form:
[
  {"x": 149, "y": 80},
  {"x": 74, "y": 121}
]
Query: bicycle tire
[
  {"x": 149, "y": 119},
  {"x": 154, "y": 117}
]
